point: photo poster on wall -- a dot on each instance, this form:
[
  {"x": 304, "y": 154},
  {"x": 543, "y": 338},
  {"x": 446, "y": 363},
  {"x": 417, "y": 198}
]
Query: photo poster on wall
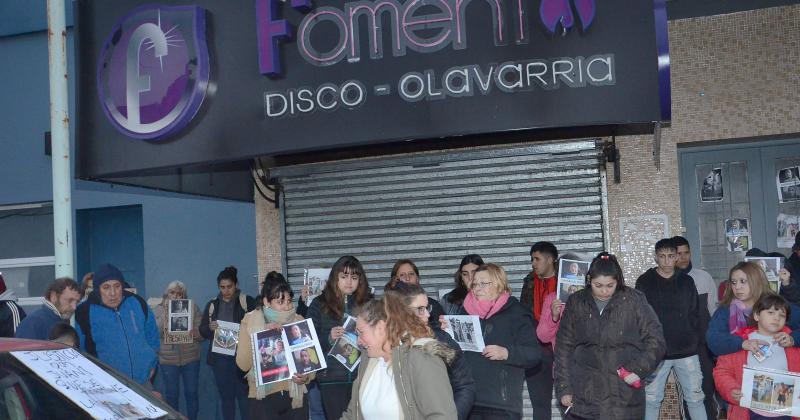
[
  {"x": 788, "y": 227},
  {"x": 279, "y": 354},
  {"x": 345, "y": 350},
  {"x": 466, "y": 331},
  {"x": 315, "y": 280},
  {"x": 226, "y": 338},
  {"x": 571, "y": 277},
  {"x": 179, "y": 322},
  {"x": 771, "y": 267},
  {"x": 737, "y": 234},
  {"x": 774, "y": 391},
  {"x": 711, "y": 190},
  {"x": 788, "y": 183},
  {"x": 91, "y": 388}
]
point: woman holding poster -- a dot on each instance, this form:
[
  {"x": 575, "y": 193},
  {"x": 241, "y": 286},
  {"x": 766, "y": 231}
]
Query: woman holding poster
[
  {"x": 511, "y": 345},
  {"x": 278, "y": 400},
  {"x": 405, "y": 376},
  {"x": 609, "y": 340},
  {"x": 179, "y": 359},
  {"x": 347, "y": 288}
]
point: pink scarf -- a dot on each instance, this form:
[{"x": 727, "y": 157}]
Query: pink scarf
[
  {"x": 738, "y": 315},
  {"x": 485, "y": 308}
]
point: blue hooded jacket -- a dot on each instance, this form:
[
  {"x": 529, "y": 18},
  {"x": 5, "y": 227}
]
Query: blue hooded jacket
[{"x": 126, "y": 338}]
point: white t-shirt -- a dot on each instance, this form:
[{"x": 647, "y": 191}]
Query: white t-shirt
[
  {"x": 705, "y": 285},
  {"x": 379, "y": 399}
]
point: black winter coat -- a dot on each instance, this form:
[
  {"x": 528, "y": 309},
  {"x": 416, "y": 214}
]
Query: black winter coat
[
  {"x": 209, "y": 315},
  {"x": 590, "y": 347},
  {"x": 460, "y": 376},
  {"x": 500, "y": 384}
]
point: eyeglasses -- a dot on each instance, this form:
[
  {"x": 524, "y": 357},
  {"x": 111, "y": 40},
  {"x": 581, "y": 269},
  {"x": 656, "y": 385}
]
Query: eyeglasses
[
  {"x": 476, "y": 285},
  {"x": 422, "y": 309}
]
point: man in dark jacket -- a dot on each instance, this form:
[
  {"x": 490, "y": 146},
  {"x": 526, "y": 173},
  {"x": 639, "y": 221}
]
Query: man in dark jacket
[
  {"x": 673, "y": 296},
  {"x": 61, "y": 300},
  {"x": 10, "y": 313},
  {"x": 535, "y": 288}
]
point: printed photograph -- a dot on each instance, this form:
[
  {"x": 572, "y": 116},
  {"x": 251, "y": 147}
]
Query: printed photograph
[
  {"x": 788, "y": 226},
  {"x": 772, "y": 392},
  {"x": 179, "y": 306},
  {"x": 226, "y": 338},
  {"x": 179, "y": 324},
  {"x": 789, "y": 176},
  {"x": 306, "y": 360},
  {"x": 298, "y": 333},
  {"x": 711, "y": 190},
  {"x": 271, "y": 363},
  {"x": 350, "y": 329},
  {"x": 466, "y": 331},
  {"x": 566, "y": 289},
  {"x": 572, "y": 269},
  {"x": 737, "y": 234},
  {"x": 347, "y": 353},
  {"x": 771, "y": 267},
  {"x": 788, "y": 194}
]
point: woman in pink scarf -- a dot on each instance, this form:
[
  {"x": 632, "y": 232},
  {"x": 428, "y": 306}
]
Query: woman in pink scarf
[
  {"x": 747, "y": 284},
  {"x": 511, "y": 345}
]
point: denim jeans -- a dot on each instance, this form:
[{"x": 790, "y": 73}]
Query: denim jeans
[
  {"x": 171, "y": 376},
  {"x": 231, "y": 386},
  {"x": 690, "y": 377}
]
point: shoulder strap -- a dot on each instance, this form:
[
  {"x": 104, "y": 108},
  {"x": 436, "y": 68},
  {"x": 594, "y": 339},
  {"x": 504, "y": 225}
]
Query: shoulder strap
[{"x": 243, "y": 302}]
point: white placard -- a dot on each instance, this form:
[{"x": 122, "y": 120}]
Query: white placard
[
  {"x": 91, "y": 388},
  {"x": 466, "y": 331},
  {"x": 345, "y": 350},
  {"x": 315, "y": 279},
  {"x": 769, "y": 390},
  {"x": 226, "y": 338}
]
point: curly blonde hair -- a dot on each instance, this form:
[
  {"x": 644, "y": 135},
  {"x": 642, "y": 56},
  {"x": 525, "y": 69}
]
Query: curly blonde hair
[{"x": 402, "y": 325}]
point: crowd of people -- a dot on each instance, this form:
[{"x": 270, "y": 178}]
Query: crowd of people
[{"x": 604, "y": 353}]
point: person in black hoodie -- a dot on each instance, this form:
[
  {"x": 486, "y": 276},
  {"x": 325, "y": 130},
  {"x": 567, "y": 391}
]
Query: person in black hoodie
[
  {"x": 230, "y": 305},
  {"x": 346, "y": 289},
  {"x": 673, "y": 296},
  {"x": 458, "y": 372},
  {"x": 511, "y": 345}
]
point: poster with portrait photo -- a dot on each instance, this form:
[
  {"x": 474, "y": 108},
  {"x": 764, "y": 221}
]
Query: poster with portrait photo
[
  {"x": 315, "y": 280},
  {"x": 180, "y": 316},
  {"x": 302, "y": 335},
  {"x": 737, "y": 234},
  {"x": 298, "y": 333},
  {"x": 226, "y": 338},
  {"x": 788, "y": 227},
  {"x": 788, "y": 182},
  {"x": 179, "y": 324},
  {"x": 346, "y": 352},
  {"x": 179, "y": 306},
  {"x": 270, "y": 357},
  {"x": 711, "y": 189},
  {"x": 771, "y": 267},
  {"x": 571, "y": 277},
  {"x": 349, "y": 326},
  {"x": 466, "y": 331},
  {"x": 770, "y": 390},
  {"x": 307, "y": 360}
]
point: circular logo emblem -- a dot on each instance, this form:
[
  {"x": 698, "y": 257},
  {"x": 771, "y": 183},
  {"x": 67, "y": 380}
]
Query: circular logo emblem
[{"x": 153, "y": 71}]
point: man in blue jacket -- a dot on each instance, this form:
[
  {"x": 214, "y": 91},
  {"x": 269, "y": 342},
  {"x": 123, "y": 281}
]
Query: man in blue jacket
[
  {"x": 61, "y": 299},
  {"x": 118, "y": 327}
]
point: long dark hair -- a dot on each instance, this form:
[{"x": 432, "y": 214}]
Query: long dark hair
[
  {"x": 605, "y": 264},
  {"x": 332, "y": 297},
  {"x": 459, "y": 293}
]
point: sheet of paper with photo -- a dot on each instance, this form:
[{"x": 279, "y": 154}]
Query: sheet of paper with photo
[
  {"x": 315, "y": 279},
  {"x": 771, "y": 267},
  {"x": 571, "y": 277},
  {"x": 226, "y": 338},
  {"x": 350, "y": 338},
  {"x": 91, "y": 388},
  {"x": 180, "y": 310},
  {"x": 308, "y": 345},
  {"x": 272, "y": 365},
  {"x": 788, "y": 182},
  {"x": 466, "y": 331},
  {"x": 769, "y": 390},
  {"x": 788, "y": 225}
]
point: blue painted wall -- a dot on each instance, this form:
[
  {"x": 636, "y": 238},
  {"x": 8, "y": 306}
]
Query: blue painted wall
[{"x": 185, "y": 238}]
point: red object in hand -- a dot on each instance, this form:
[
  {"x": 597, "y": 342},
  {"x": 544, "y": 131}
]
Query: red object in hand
[{"x": 622, "y": 372}]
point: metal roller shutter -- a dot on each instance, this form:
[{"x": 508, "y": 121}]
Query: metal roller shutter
[{"x": 437, "y": 207}]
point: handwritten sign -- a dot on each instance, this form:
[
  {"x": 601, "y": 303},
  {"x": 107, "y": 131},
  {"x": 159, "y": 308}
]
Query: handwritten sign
[{"x": 91, "y": 388}]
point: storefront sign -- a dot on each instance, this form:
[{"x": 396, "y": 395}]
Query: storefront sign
[{"x": 298, "y": 76}]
